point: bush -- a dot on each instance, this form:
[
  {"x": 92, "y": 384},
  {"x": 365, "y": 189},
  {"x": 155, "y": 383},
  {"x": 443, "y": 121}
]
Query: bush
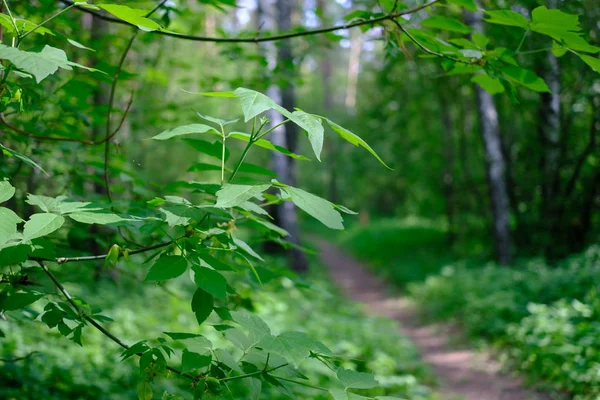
[
  {"x": 560, "y": 343},
  {"x": 547, "y": 318},
  {"x": 63, "y": 370}
]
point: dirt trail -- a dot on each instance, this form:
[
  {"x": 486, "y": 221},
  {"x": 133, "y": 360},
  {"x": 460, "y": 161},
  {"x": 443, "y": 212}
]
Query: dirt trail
[{"x": 463, "y": 373}]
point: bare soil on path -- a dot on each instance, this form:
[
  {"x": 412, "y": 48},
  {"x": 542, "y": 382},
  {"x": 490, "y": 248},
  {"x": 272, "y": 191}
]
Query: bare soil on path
[{"x": 462, "y": 373}]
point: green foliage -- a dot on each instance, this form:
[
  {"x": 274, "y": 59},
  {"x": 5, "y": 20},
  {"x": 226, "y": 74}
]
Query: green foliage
[
  {"x": 544, "y": 316},
  {"x": 402, "y": 250},
  {"x": 209, "y": 226}
]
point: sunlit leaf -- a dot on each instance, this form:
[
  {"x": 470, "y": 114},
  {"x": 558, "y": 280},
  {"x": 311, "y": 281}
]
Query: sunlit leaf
[
  {"x": 183, "y": 130},
  {"x": 40, "y": 225},
  {"x": 507, "y": 17},
  {"x": 234, "y": 195},
  {"x": 315, "y": 206}
]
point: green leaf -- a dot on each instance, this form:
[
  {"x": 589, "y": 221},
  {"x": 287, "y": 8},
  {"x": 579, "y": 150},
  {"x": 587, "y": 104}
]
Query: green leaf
[
  {"x": 526, "y": 78},
  {"x": 489, "y": 84},
  {"x": 553, "y": 19},
  {"x": 99, "y": 218},
  {"x": 226, "y": 358},
  {"x": 22, "y": 157},
  {"x": 191, "y": 361},
  {"x": 198, "y": 167},
  {"x": 293, "y": 346},
  {"x": 315, "y": 206},
  {"x": 272, "y": 227},
  {"x": 480, "y": 40},
  {"x": 133, "y": 16},
  {"x": 16, "y": 301},
  {"x": 167, "y": 267},
  {"x": 183, "y": 335},
  {"x": 79, "y": 45},
  {"x": 446, "y": 24},
  {"x": 13, "y": 255},
  {"x": 266, "y": 145},
  {"x": 340, "y": 394},
  {"x": 313, "y": 127},
  {"x": 202, "y": 305},
  {"x": 354, "y": 139},
  {"x": 218, "y": 121},
  {"x": 8, "y": 224},
  {"x": 238, "y": 339},
  {"x": 7, "y": 191},
  {"x": 507, "y": 17},
  {"x": 253, "y": 103},
  {"x": 144, "y": 391},
  {"x": 183, "y": 130},
  {"x": 249, "y": 168},
  {"x": 210, "y": 281},
  {"x": 41, "y": 225},
  {"x": 245, "y": 247},
  {"x": 217, "y": 94},
  {"x": 234, "y": 195},
  {"x": 558, "y": 50},
  {"x": 575, "y": 42},
  {"x": 593, "y": 62},
  {"x": 257, "y": 328},
  {"x": 41, "y": 64},
  {"x": 214, "y": 149},
  {"x": 466, "y": 4},
  {"x": 356, "y": 380}
]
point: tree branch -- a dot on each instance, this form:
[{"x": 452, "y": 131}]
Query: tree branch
[
  {"x": 64, "y": 260},
  {"x": 259, "y": 39},
  {"x": 12, "y": 360},
  {"x": 65, "y": 139}
]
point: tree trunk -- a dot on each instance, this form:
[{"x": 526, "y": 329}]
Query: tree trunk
[
  {"x": 549, "y": 131},
  {"x": 285, "y": 135},
  {"x": 448, "y": 176},
  {"x": 332, "y": 140},
  {"x": 495, "y": 162}
]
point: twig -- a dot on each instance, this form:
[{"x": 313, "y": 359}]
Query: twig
[
  {"x": 111, "y": 102},
  {"x": 65, "y": 139},
  {"x": 425, "y": 49},
  {"x": 258, "y": 39},
  {"x": 12, "y": 360},
  {"x": 64, "y": 260}
]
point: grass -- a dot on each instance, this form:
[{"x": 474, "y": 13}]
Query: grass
[{"x": 401, "y": 250}]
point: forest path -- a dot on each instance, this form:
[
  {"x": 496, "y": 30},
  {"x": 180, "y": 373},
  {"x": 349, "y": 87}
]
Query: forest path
[{"x": 462, "y": 373}]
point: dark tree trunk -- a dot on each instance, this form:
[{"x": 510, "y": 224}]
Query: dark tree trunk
[
  {"x": 285, "y": 135},
  {"x": 448, "y": 176}
]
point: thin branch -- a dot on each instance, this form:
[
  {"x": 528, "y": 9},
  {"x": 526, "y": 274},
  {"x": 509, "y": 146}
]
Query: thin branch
[
  {"x": 13, "y": 360},
  {"x": 65, "y": 260},
  {"x": 65, "y": 139},
  {"x": 111, "y": 102},
  {"x": 425, "y": 49},
  {"x": 94, "y": 323},
  {"x": 259, "y": 39}
]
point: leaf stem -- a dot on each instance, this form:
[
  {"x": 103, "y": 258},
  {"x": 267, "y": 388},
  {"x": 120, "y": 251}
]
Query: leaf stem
[
  {"x": 251, "y": 374},
  {"x": 518, "y": 50},
  {"x": 300, "y": 383},
  {"x": 223, "y": 156},
  {"x": 45, "y": 22}
]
